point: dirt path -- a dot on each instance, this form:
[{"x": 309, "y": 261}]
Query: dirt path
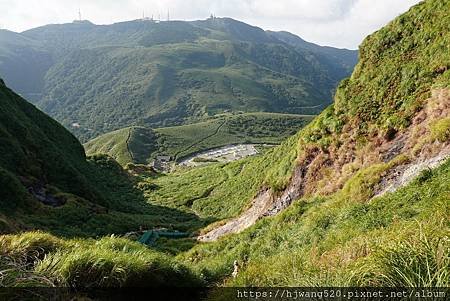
[
  {"x": 402, "y": 175},
  {"x": 266, "y": 203}
]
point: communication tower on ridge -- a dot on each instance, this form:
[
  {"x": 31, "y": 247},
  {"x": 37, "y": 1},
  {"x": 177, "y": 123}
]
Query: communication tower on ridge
[
  {"x": 144, "y": 18},
  {"x": 79, "y": 19}
]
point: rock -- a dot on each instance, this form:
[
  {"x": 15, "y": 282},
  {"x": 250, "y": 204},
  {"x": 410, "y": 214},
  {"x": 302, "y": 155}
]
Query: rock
[{"x": 39, "y": 192}]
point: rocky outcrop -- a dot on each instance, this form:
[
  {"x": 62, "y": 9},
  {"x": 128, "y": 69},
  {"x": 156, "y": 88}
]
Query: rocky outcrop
[
  {"x": 324, "y": 171},
  {"x": 40, "y": 193}
]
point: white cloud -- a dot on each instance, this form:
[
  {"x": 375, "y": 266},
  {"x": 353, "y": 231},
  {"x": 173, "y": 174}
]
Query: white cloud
[{"x": 340, "y": 23}]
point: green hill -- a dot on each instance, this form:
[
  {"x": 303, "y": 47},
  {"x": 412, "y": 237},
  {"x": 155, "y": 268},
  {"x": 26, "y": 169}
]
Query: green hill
[
  {"x": 334, "y": 205},
  {"x": 358, "y": 197},
  {"x": 143, "y": 73},
  {"x": 337, "y": 207},
  {"x": 141, "y": 145},
  {"x": 48, "y": 183}
]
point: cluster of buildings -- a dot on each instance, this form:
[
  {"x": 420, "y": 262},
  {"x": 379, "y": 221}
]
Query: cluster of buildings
[{"x": 161, "y": 163}]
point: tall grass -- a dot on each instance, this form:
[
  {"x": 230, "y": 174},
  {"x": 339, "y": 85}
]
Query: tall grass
[
  {"x": 339, "y": 242},
  {"x": 18, "y": 255},
  {"x": 423, "y": 262}
]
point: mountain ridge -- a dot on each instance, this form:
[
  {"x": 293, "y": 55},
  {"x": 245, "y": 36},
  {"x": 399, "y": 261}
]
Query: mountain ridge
[
  {"x": 332, "y": 206},
  {"x": 170, "y": 73}
]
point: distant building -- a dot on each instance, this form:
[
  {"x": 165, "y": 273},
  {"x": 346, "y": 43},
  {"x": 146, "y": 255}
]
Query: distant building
[
  {"x": 161, "y": 163},
  {"x": 156, "y": 165}
]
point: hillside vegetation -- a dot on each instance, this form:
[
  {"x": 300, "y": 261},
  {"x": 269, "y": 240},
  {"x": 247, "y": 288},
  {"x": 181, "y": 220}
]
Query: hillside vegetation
[
  {"x": 384, "y": 125},
  {"x": 141, "y": 145},
  {"x": 142, "y": 73},
  {"x": 397, "y": 240},
  {"x": 358, "y": 197},
  {"x": 48, "y": 183},
  {"x": 380, "y": 127}
]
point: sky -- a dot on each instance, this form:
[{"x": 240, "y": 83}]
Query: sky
[{"x": 338, "y": 23}]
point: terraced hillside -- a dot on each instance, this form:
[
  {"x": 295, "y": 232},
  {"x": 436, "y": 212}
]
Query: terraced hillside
[
  {"x": 95, "y": 79},
  {"x": 141, "y": 145}
]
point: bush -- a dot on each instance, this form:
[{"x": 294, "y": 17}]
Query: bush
[{"x": 440, "y": 130}]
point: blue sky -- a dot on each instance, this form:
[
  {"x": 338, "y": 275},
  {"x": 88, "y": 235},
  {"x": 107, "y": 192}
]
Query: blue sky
[{"x": 339, "y": 23}]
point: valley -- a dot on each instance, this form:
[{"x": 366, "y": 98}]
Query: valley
[
  {"x": 282, "y": 166},
  {"x": 158, "y": 74},
  {"x": 141, "y": 145}
]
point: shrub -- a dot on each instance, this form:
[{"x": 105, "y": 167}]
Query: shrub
[{"x": 440, "y": 130}]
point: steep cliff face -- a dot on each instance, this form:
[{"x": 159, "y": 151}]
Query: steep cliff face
[{"x": 390, "y": 120}]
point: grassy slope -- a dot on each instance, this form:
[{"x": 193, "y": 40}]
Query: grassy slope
[
  {"x": 221, "y": 191},
  {"x": 333, "y": 241},
  {"x": 343, "y": 239},
  {"x": 400, "y": 239},
  {"x": 393, "y": 98},
  {"x": 181, "y": 141},
  {"x": 100, "y": 197},
  {"x": 395, "y": 240}
]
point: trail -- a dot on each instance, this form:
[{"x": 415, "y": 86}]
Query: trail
[
  {"x": 402, "y": 175},
  {"x": 311, "y": 107},
  {"x": 203, "y": 139},
  {"x": 265, "y": 204},
  {"x": 128, "y": 145},
  {"x": 259, "y": 206}
]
